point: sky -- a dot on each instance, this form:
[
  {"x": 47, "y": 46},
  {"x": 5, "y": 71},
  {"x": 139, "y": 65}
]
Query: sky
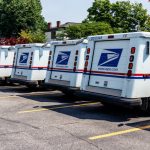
[{"x": 72, "y": 10}]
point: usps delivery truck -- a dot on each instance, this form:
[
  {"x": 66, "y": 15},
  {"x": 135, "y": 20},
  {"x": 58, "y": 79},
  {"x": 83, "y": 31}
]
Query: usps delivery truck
[
  {"x": 117, "y": 69},
  {"x": 6, "y": 61},
  {"x": 66, "y": 64},
  {"x": 30, "y": 64}
]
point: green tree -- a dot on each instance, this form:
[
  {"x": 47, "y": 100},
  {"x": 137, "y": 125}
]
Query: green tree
[
  {"x": 33, "y": 37},
  {"x": 100, "y": 11},
  {"x": 17, "y": 15},
  {"x": 127, "y": 15},
  {"x": 85, "y": 29},
  {"x": 122, "y": 15}
]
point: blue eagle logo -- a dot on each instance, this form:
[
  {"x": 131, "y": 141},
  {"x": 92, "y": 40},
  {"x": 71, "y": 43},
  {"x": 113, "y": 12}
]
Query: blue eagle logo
[
  {"x": 63, "y": 58},
  {"x": 23, "y": 58},
  {"x": 110, "y": 57}
]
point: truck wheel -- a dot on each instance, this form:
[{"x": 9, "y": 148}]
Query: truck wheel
[
  {"x": 146, "y": 104},
  {"x": 32, "y": 87},
  {"x": 68, "y": 92},
  {"x": 6, "y": 80}
]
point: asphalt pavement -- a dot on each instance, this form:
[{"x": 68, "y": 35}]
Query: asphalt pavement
[{"x": 48, "y": 120}]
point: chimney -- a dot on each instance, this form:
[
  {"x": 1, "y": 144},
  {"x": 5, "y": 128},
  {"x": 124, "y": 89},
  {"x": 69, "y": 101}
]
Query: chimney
[
  {"x": 49, "y": 25},
  {"x": 58, "y": 24}
]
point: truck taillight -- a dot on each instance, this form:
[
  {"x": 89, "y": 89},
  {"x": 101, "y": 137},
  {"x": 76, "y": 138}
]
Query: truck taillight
[
  {"x": 88, "y": 51},
  {"x": 50, "y": 53},
  {"x": 77, "y": 52},
  {"x": 49, "y": 62},
  {"x": 49, "y": 59},
  {"x": 76, "y": 58},
  {"x": 86, "y": 60},
  {"x": 75, "y": 63},
  {"x": 129, "y": 74},
  {"x": 130, "y": 66},
  {"x": 14, "y": 59},
  {"x": 74, "y": 69},
  {"x": 31, "y": 60},
  {"x": 85, "y": 69},
  {"x": 87, "y": 57},
  {"x": 86, "y": 64},
  {"x": 133, "y": 49},
  {"x": 131, "y": 58}
]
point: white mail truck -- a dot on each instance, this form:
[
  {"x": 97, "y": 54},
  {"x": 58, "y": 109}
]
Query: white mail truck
[
  {"x": 30, "y": 64},
  {"x": 117, "y": 69},
  {"x": 66, "y": 64},
  {"x": 6, "y": 61}
]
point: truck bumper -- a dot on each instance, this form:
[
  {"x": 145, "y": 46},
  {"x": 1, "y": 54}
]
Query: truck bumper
[
  {"x": 61, "y": 87},
  {"x": 23, "y": 82},
  {"x": 126, "y": 102}
]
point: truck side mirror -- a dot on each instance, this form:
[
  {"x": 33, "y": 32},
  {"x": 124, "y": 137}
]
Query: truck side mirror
[{"x": 147, "y": 48}]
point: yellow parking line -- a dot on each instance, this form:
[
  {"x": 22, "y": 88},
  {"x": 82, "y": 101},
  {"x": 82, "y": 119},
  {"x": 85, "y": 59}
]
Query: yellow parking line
[
  {"x": 119, "y": 132},
  {"x": 13, "y": 96},
  {"x": 59, "y": 107}
]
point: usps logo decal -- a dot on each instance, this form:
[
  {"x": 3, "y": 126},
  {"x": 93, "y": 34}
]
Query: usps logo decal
[
  {"x": 63, "y": 58},
  {"x": 110, "y": 57},
  {"x": 23, "y": 58}
]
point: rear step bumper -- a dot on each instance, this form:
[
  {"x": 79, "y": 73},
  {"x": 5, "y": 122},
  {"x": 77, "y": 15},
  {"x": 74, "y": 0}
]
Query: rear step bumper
[
  {"x": 126, "y": 102},
  {"x": 61, "y": 87},
  {"x": 23, "y": 82}
]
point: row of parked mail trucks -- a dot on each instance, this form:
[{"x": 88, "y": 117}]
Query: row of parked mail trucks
[{"x": 113, "y": 68}]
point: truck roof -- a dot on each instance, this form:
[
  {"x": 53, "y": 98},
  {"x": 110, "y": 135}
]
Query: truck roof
[
  {"x": 30, "y": 45},
  {"x": 69, "y": 42},
  {"x": 119, "y": 36},
  {"x": 4, "y": 46},
  {"x": 7, "y": 47}
]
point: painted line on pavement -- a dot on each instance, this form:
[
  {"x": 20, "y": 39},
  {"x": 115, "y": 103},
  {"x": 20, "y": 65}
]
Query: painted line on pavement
[
  {"x": 119, "y": 133},
  {"x": 59, "y": 107},
  {"x": 13, "y": 96}
]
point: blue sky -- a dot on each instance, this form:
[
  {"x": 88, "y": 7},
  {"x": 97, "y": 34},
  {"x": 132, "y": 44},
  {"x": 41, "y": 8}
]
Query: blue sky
[{"x": 71, "y": 10}]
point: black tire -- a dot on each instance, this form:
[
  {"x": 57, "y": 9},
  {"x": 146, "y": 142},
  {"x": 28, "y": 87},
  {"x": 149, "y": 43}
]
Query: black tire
[
  {"x": 68, "y": 92},
  {"x": 6, "y": 80},
  {"x": 32, "y": 86}
]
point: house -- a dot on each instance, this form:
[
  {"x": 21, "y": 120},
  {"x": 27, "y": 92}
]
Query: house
[{"x": 52, "y": 32}]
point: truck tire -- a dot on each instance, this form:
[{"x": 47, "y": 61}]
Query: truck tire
[
  {"x": 146, "y": 104},
  {"x": 32, "y": 87},
  {"x": 68, "y": 93}
]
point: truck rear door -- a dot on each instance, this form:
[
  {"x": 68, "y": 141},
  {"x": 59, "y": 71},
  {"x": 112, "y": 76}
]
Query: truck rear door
[
  {"x": 109, "y": 64},
  {"x": 63, "y": 62},
  {"x": 23, "y": 61}
]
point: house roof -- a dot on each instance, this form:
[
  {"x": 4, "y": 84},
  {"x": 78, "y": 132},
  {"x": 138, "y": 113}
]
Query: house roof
[{"x": 63, "y": 26}]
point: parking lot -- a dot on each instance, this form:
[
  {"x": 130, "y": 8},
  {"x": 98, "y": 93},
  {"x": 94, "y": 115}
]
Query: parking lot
[{"x": 49, "y": 120}]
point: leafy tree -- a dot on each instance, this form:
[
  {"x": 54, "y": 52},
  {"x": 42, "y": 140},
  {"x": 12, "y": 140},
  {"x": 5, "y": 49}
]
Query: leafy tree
[
  {"x": 33, "y": 37},
  {"x": 122, "y": 15},
  {"x": 17, "y": 15},
  {"x": 100, "y": 11},
  {"x": 85, "y": 29},
  {"x": 127, "y": 16}
]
